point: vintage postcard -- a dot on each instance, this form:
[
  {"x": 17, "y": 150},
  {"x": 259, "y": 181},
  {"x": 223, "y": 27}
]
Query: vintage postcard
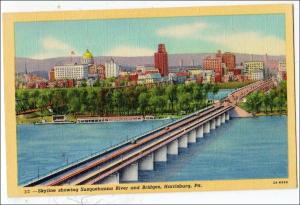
[{"x": 150, "y": 100}]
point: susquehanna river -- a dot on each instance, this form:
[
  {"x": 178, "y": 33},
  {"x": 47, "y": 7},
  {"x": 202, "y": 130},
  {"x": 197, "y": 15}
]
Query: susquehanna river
[{"x": 243, "y": 148}]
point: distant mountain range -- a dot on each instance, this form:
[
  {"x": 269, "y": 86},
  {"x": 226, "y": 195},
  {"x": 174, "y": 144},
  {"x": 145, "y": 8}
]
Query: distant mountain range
[{"x": 41, "y": 67}]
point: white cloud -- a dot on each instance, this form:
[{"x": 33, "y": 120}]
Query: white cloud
[
  {"x": 249, "y": 42},
  {"x": 241, "y": 42},
  {"x": 126, "y": 51},
  {"x": 52, "y": 47},
  {"x": 182, "y": 31}
]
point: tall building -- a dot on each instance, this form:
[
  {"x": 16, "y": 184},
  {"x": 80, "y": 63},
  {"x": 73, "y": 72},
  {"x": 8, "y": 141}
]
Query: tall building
[
  {"x": 229, "y": 60},
  {"x": 251, "y": 66},
  {"x": 281, "y": 66},
  {"x": 77, "y": 72},
  {"x": 215, "y": 64},
  {"x": 101, "y": 71},
  {"x": 111, "y": 69},
  {"x": 211, "y": 63},
  {"x": 51, "y": 75},
  {"x": 161, "y": 60},
  {"x": 26, "y": 71},
  {"x": 73, "y": 71},
  {"x": 281, "y": 74},
  {"x": 271, "y": 63}
]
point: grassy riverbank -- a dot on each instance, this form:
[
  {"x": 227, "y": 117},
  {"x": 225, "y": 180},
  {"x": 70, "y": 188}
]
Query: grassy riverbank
[
  {"x": 275, "y": 112},
  {"x": 272, "y": 102},
  {"x": 39, "y": 117},
  {"x": 271, "y": 113}
]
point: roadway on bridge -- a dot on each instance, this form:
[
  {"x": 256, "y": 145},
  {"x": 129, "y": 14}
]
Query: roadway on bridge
[
  {"x": 74, "y": 175},
  {"x": 103, "y": 171}
]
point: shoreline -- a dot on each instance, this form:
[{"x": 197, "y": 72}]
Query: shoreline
[
  {"x": 74, "y": 122},
  {"x": 166, "y": 118},
  {"x": 270, "y": 114}
]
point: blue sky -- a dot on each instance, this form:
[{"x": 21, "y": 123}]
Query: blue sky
[{"x": 257, "y": 34}]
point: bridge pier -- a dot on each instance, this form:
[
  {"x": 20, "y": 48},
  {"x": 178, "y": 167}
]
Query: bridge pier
[
  {"x": 160, "y": 155},
  {"x": 218, "y": 121},
  {"x": 213, "y": 124},
  {"x": 130, "y": 173},
  {"x": 223, "y": 118},
  {"x": 183, "y": 141},
  {"x": 227, "y": 116},
  {"x": 200, "y": 132},
  {"x": 111, "y": 179},
  {"x": 147, "y": 163},
  {"x": 192, "y": 136},
  {"x": 172, "y": 147},
  {"x": 207, "y": 127}
]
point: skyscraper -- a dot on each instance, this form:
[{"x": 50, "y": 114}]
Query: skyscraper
[
  {"x": 161, "y": 60},
  {"x": 111, "y": 69},
  {"x": 215, "y": 64},
  {"x": 229, "y": 60}
]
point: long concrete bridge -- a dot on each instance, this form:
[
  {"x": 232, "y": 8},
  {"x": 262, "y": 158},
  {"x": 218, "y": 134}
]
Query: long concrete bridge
[{"x": 122, "y": 163}]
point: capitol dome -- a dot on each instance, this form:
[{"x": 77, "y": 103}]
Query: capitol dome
[{"x": 87, "y": 57}]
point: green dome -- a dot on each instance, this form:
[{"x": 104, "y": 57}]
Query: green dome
[{"x": 87, "y": 54}]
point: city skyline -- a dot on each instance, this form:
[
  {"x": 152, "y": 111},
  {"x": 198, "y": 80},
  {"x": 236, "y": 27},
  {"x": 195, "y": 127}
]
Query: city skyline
[{"x": 40, "y": 40}]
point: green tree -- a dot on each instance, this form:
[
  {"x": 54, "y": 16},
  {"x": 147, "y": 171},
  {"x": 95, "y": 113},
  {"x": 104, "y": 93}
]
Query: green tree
[
  {"x": 102, "y": 101},
  {"x": 83, "y": 83},
  {"x": 43, "y": 102},
  {"x": 171, "y": 92},
  {"x": 184, "y": 101},
  {"x": 207, "y": 88},
  {"x": 271, "y": 97},
  {"x": 59, "y": 101},
  {"x": 154, "y": 103},
  {"x": 83, "y": 100},
  {"x": 162, "y": 103},
  {"x": 265, "y": 101},
  {"x": 280, "y": 102},
  {"x": 253, "y": 102},
  {"x": 92, "y": 102},
  {"x": 117, "y": 100},
  {"x": 132, "y": 100},
  {"x": 33, "y": 98},
  {"x": 108, "y": 101},
  {"x": 97, "y": 83},
  {"x": 143, "y": 103},
  {"x": 198, "y": 95}
]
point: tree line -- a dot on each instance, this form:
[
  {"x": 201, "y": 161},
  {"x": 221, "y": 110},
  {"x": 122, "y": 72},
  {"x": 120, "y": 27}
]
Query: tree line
[
  {"x": 135, "y": 100},
  {"x": 270, "y": 101}
]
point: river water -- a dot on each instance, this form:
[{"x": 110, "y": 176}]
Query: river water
[
  {"x": 241, "y": 148},
  {"x": 221, "y": 94}
]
